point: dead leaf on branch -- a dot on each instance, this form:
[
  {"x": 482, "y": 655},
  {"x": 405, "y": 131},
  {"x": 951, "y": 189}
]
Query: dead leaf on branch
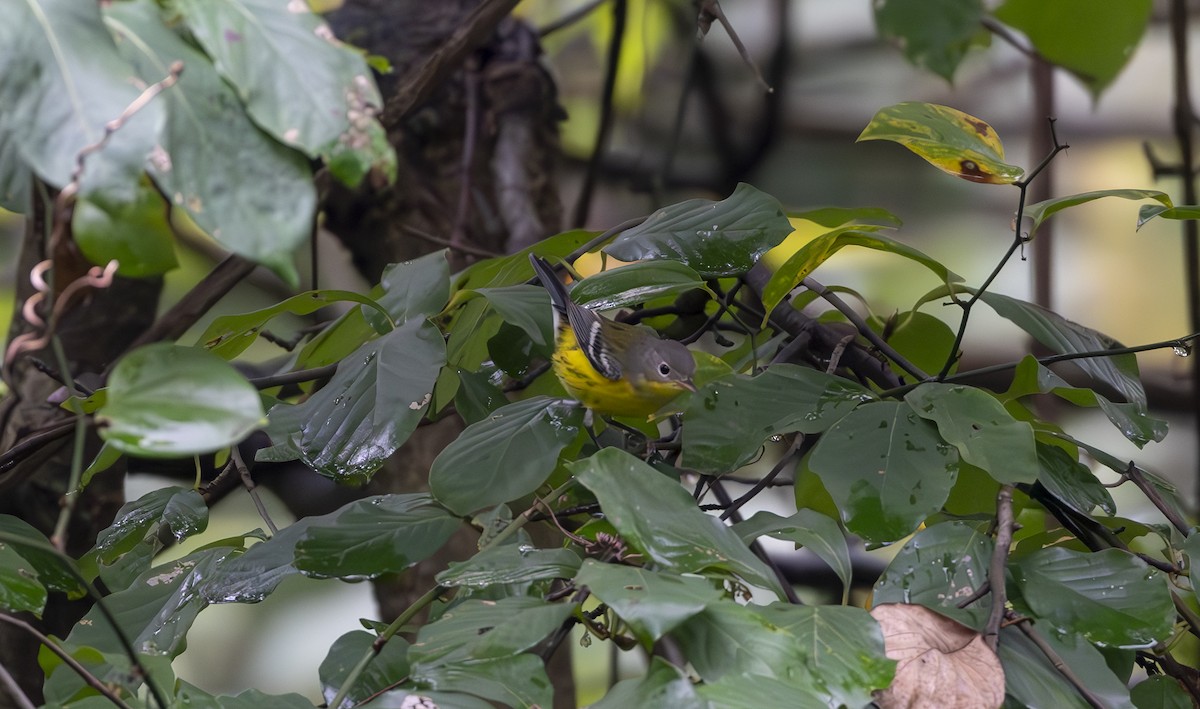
[{"x": 942, "y": 663}]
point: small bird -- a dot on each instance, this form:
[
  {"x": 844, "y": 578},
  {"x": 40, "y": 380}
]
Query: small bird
[{"x": 612, "y": 368}]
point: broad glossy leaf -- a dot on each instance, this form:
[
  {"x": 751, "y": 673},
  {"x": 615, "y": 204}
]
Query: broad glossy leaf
[
  {"x": 55, "y": 571},
  {"x": 515, "y": 268},
  {"x": 663, "y": 685},
  {"x": 920, "y": 337},
  {"x": 651, "y": 603},
  {"x": 748, "y": 690},
  {"x": 324, "y": 106},
  {"x": 20, "y": 589},
  {"x": 950, "y": 140},
  {"x": 1064, "y": 336},
  {"x": 810, "y": 529},
  {"x": 1109, "y": 596},
  {"x": 1039, "y": 212},
  {"x": 1160, "y": 692},
  {"x": 940, "y": 567},
  {"x": 191, "y": 696},
  {"x": 933, "y": 35},
  {"x": 477, "y": 397},
  {"x": 975, "y": 423},
  {"x": 519, "y": 680},
  {"x": 157, "y": 610},
  {"x": 808, "y": 257},
  {"x": 1131, "y": 419},
  {"x": 62, "y": 81},
  {"x": 655, "y": 514},
  {"x": 410, "y": 290},
  {"x": 1030, "y": 678},
  {"x": 835, "y": 652},
  {"x": 373, "y": 403},
  {"x": 714, "y": 238},
  {"x": 729, "y": 418},
  {"x": 134, "y": 232},
  {"x": 480, "y": 630},
  {"x": 1072, "y": 482},
  {"x": 510, "y": 563},
  {"x": 209, "y": 143},
  {"x": 1183, "y": 211},
  {"x": 635, "y": 283},
  {"x": 526, "y": 307},
  {"x": 167, "y": 401},
  {"x": 505, "y": 456},
  {"x": 1068, "y": 33},
  {"x": 837, "y": 216},
  {"x": 124, "y": 550},
  {"x": 379, "y": 535},
  {"x": 230, "y": 335},
  {"x": 390, "y": 662},
  {"x": 886, "y": 468}
]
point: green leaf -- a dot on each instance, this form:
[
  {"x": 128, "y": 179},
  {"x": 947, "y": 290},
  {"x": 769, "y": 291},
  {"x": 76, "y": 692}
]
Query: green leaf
[
  {"x": 134, "y": 233},
  {"x": 635, "y": 283},
  {"x": 760, "y": 691},
  {"x": 933, "y": 35},
  {"x": 515, "y": 268},
  {"x": 136, "y": 528},
  {"x": 1092, "y": 41},
  {"x": 1072, "y": 482},
  {"x": 380, "y": 535},
  {"x": 323, "y": 104},
  {"x": 729, "y": 418},
  {"x": 1066, "y": 337},
  {"x": 191, "y": 696},
  {"x": 525, "y": 306},
  {"x": 1191, "y": 547},
  {"x": 1030, "y": 679},
  {"x": 410, "y": 290},
  {"x": 655, "y": 514},
  {"x": 975, "y": 423},
  {"x": 1039, "y": 212},
  {"x": 663, "y": 685},
  {"x": 505, "y": 456},
  {"x": 807, "y": 528},
  {"x": 1183, "y": 211},
  {"x": 167, "y": 401},
  {"x": 721, "y": 238},
  {"x": 952, "y": 141},
  {"x": 510, "y": 563},
  {"x": 62, "y": 81},
  {"x": 477, "y": 396},
  {"x": 651, "y": 603},
  {"x": 481, "y": 630},
  {"x": 517, "y": 681},
  {"x": 20, "y": 589},
  {"x": 939, "y": 567},
  {"x": 806, "y": 259},
  {"x": 54, "y": 570},
  {"x": 886, "y": 468},
  {"x": 156, "y": 611},
  {"x": 1109, "y": 596},
  {"x": 835, "y": 652},
  {"x": 1131, "y": 419},
  {"x": 837, "y": 216},
  {"x": 1160, "y": 692},
  {"x": 388, "y": 663},
  {"x": 209, "y": 143},
  {"x": 372, "y": 405},
  {"x": 230, "y": 335},
  {"x": 920, "y": 337}
]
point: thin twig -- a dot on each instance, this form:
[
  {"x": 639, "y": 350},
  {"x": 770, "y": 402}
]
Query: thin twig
[
  {"x": 570, "y": 18},
  {"x": 583, "y": 203},
  {"x": 992, "y": 25},
  {"x": 864, "y": 329},
  {"x": 1018, "y": 240},
  {"x": 718, "y": 490},
  {"x": 461, "y": 247},
  {"x": 248, "y": 483},
  {"x": 710, "y": 9},
  {"x": 1004, "y": 537},
  {"x": 90, "y": 679},
  {"x": 14, "y": 690},
  {"x": 1134, "y": 474},
  {"x": 458, "y": 232},
  {"x": 300, "y": 375},
  {"x": 792, "y": 452}
]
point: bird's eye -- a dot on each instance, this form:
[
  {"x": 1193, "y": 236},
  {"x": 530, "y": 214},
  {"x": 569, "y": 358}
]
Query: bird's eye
[{"x": 664, "y": 369}]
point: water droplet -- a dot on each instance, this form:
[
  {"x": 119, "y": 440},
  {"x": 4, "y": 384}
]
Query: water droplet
[{"x": 1182, "y": 350}]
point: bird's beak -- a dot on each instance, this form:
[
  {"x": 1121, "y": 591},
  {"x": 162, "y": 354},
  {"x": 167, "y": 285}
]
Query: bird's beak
[{"x": 688, "y": 385}]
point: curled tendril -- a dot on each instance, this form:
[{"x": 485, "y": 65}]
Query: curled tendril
[{"x": 96, "y": 277}]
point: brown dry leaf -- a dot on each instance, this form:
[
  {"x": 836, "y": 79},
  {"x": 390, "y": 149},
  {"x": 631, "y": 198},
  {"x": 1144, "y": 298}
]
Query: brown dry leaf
[{"x": 942, "y": 663}]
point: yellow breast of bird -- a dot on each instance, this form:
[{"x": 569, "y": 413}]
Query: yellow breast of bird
[{"x": 621, "y": 397}]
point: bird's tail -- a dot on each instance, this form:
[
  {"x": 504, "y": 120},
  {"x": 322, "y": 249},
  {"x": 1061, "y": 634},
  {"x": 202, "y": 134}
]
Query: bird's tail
[{"x": 549, "y": 279}]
